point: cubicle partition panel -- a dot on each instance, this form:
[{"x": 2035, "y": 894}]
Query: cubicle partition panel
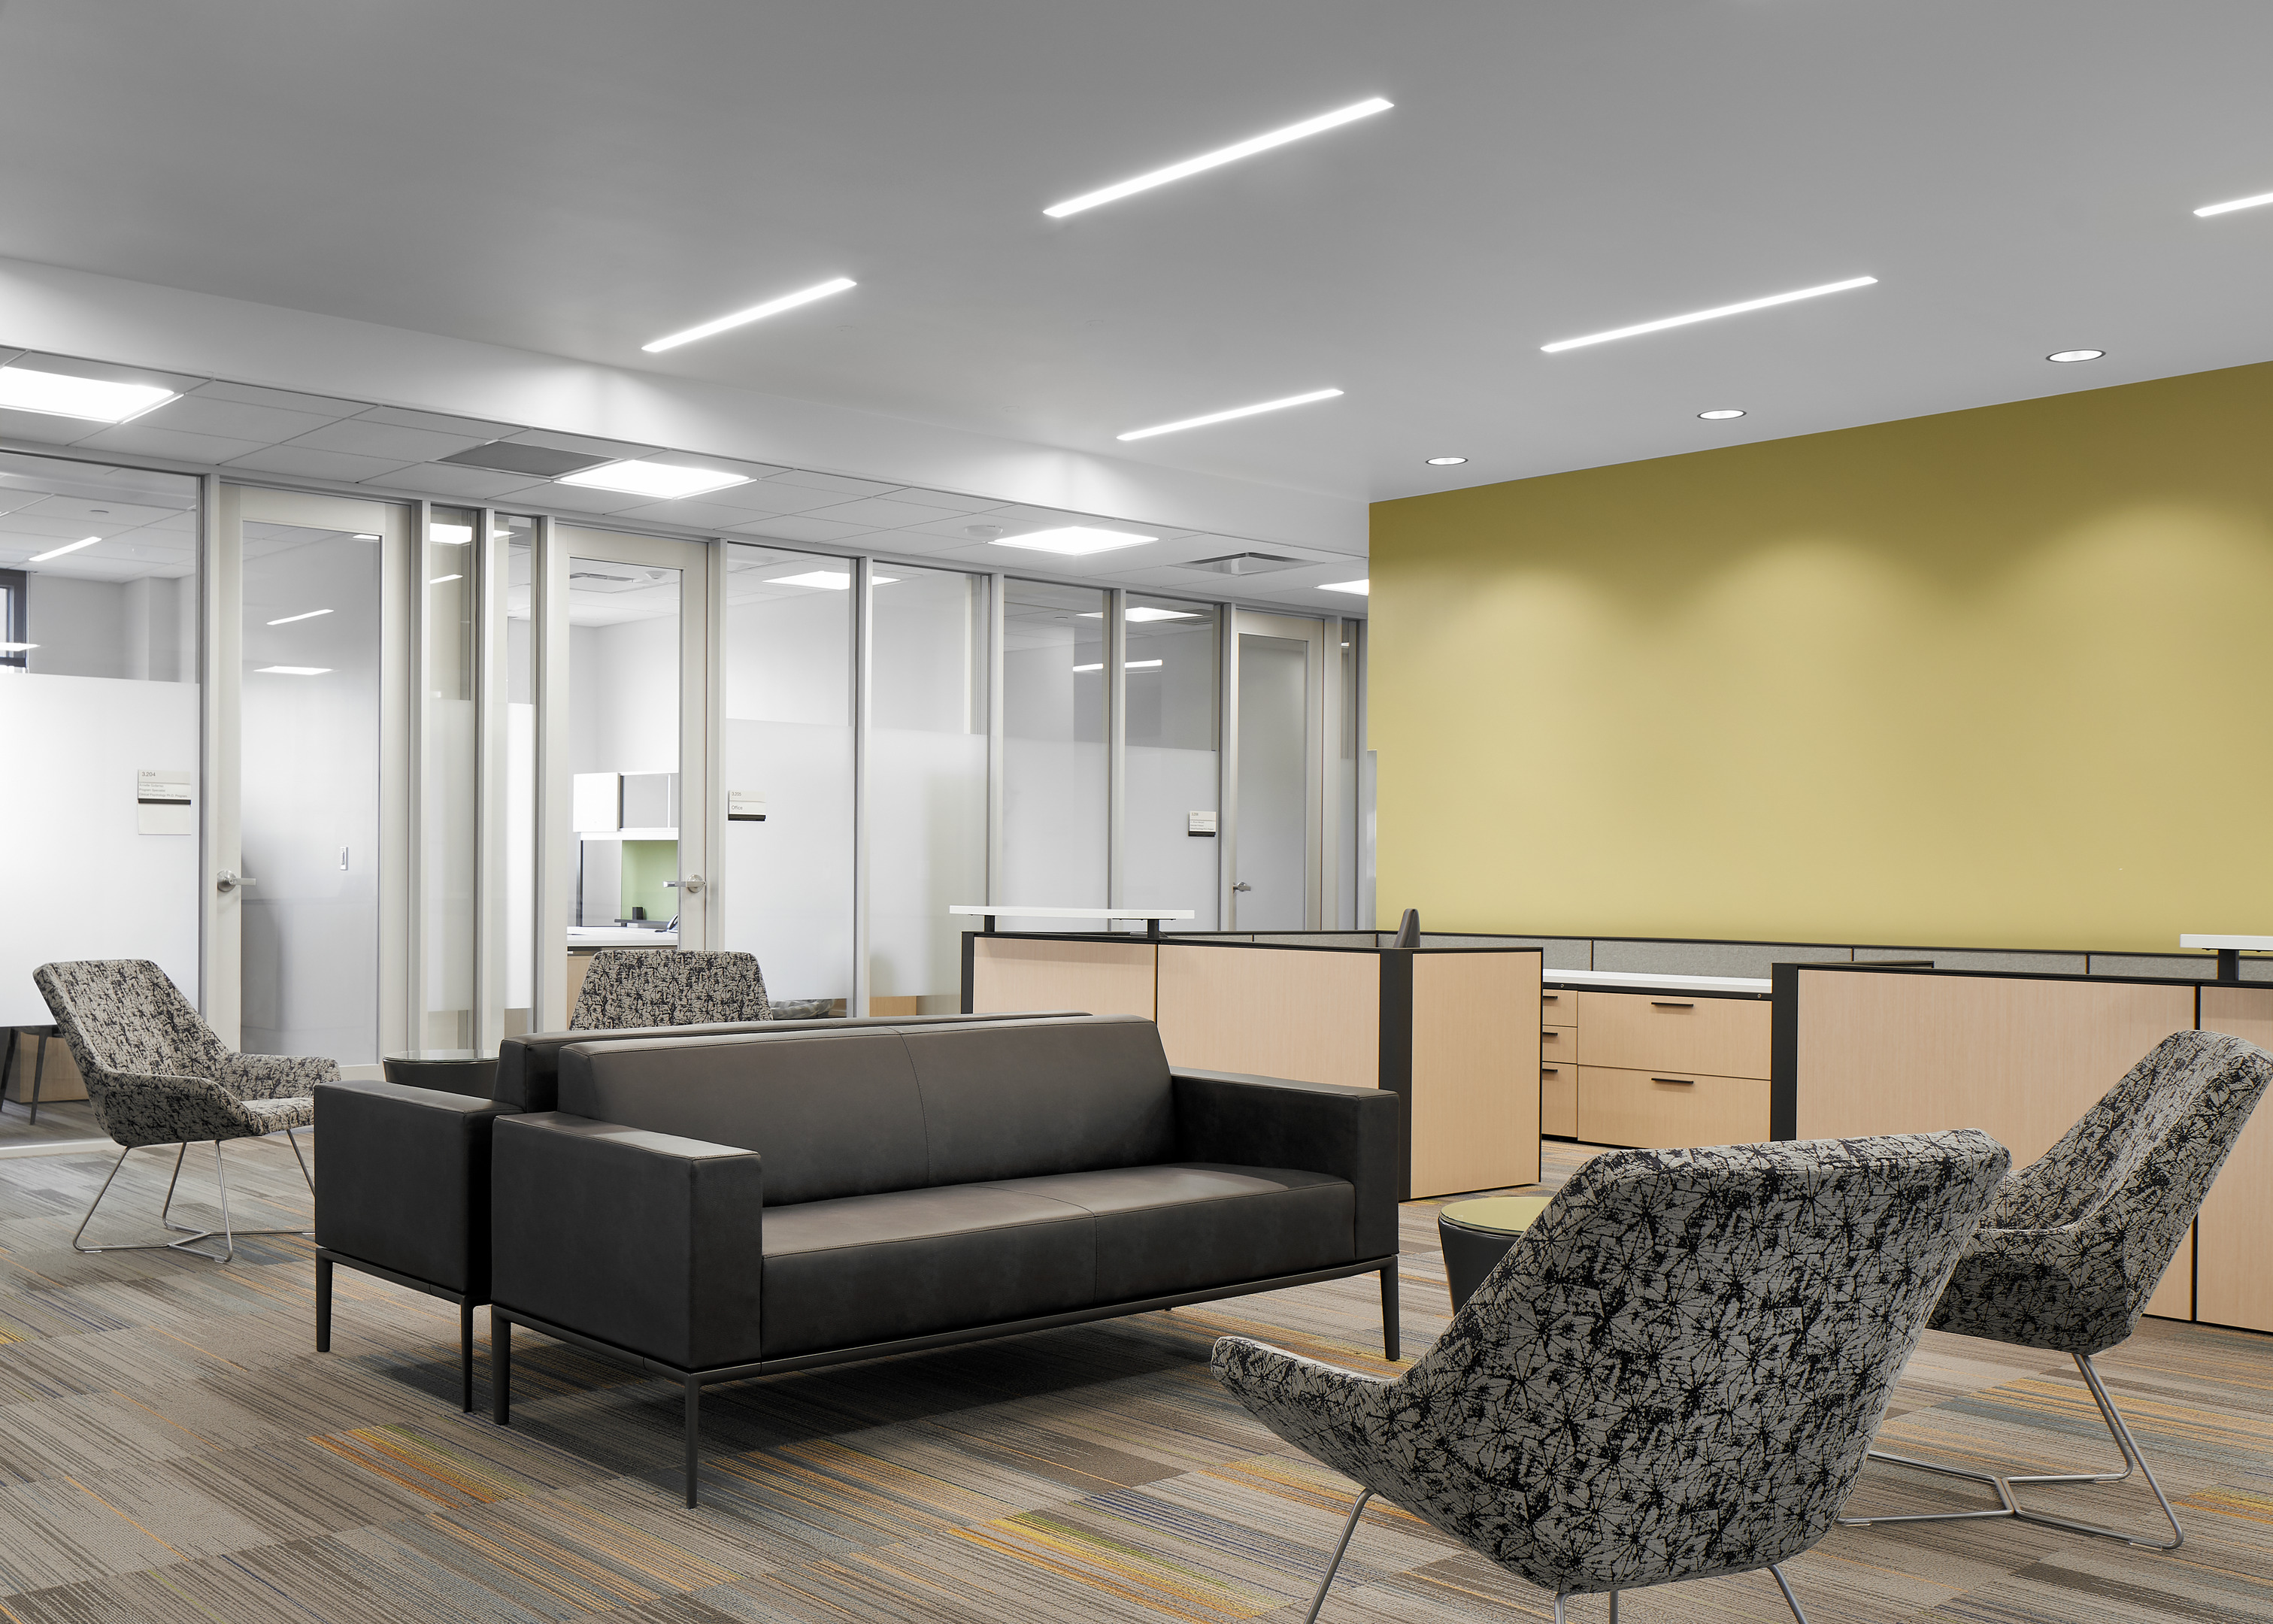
[
  {"x": 1453, "y": 1032},
  {"x": 1860, "y": 1049}
]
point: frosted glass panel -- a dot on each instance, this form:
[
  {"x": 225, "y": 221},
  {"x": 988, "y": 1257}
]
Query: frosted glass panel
[
  {"x": 1274, "y": 809},
  {"x": 514, "y": 538},
  {"x": 446, "y": 780},
  {"x": 927, "y": 762},
  {"x": 788, "y": 745},
  {"x": 1173, "y": 709},
  {"x": 1053, "y": 750}
]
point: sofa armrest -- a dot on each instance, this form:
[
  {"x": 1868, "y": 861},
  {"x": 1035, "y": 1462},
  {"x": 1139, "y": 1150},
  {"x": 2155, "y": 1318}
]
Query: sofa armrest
[
  {"x": 1321, "y": 1127},
  {"x": 645, "y": 1241},
  {"x": 406, "y": 1182}
]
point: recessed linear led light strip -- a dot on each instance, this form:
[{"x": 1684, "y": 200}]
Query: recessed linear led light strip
[
  {"x": 756, "y": 313},
  {"x": 95, "y": 399},
  {"x": 1356, "y": 588},
  {"x": 57, "y": 552},
  {"x": 1237, "y": 411},
  {"x": 1142, "y": 613},
  {"x": 1127, "y": 665},
  {"x": 289, "y": 620},
  {"x": 1248, "y": 148},
  {"x": 2259, "y": 201},
  {"x": 827, "y": 580},
  {"x": 1717, "y": 311},
  {"x": 292, "y": 671}
]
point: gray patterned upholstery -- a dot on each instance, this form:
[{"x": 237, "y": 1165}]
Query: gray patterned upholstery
[
  {"x": 1675, "y": 1372},
  {"x": 2079, "y": 1238},
  {"x": 661, "y": 986},
  {"x": 155, "y": 1074}
]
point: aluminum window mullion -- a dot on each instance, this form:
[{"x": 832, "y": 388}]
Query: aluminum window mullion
[
  {"x": 997, "y": 590},
  {"x": 864, "y": 617},
  {"x": 1116, "y": 744}
]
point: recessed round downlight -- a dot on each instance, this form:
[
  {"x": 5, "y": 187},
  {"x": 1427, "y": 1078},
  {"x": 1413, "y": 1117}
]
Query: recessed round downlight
[
  {"x": 1722, "y": 414},
  {"x": 2076, "y": 354},
  {"x": 1446, "y": 462}
]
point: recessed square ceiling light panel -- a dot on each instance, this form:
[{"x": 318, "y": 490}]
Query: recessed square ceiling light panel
[
  {"x": 1182, "y": 423},
  {"x": 756, "y": 313},
  {"x": 1237, "y": 150},
  {"x": 2259, "y": 201},
  {"x": 1717, "y": 311},
  {"x": 92, "y": 400},
  {"x": 1073, "y": 541},
  {"x": 512, "y": 456},
  {"x": 1357, "y": 588},
  {"x": 665, "y": 481},
  {"x": 827, "y": 580},
  {"x": 451, "y": 534}
]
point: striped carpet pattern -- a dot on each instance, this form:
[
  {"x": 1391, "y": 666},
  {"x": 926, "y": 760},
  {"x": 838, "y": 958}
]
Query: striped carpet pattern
[{"x": 171, "y": 1448}]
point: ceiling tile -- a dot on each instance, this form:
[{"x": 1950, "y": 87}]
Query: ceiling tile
[
  {"x": 360, "y": 437},
  {"x": 434, "y": 423},
  {"x": 790, "y": 528},
  {"x": 697, "y": 512},
  {"x": 874, "y": 512},
  {"x": 956, "y": 527},
  {"x": 144, "y": 438},
  {"x": 584, "y": 500},
  {"x": 235, "y": 420},
  {"x": 309, "y": 463},
  {"x": 951, "y": 500},
  {"x": 616, "y": 450},
  {"x": 282, "y": 399},
  {"x": 833, "y": 482},
  {"x": 478, "y": 485},
  {"x": 45, "y": 427}
]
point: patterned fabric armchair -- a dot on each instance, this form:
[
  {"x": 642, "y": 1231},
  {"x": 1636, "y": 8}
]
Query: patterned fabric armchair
[
  {"x": 656, "y": 986},
  {"x": 2078, "y": 1239},
  {"x": 156, "y": 1076},
  {"x": 1676, "y": 1372}
]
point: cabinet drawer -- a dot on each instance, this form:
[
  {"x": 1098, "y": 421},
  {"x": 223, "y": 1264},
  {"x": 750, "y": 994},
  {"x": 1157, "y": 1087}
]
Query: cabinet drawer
[
  {"x": 1558, "y": 1008},
  {"x": 1558, "y": 1101},
  {"x": 1638, "y": 1031},
  {"x": 1670, "y": 1110},
  {"x": 1558, "y": 1044}
]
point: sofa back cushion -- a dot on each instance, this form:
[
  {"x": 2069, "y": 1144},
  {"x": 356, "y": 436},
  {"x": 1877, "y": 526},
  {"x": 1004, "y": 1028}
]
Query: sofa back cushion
[
  {"x": 830, "y": 1112},
  {"x": 1023, "y": 1098},
  {"x": 857, "y": 1110}
]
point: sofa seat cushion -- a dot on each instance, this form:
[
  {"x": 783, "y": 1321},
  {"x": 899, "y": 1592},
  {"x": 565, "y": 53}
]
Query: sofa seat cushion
[
  {"x": 861, "y": 1269},
  {"x": 1189, "y": 1226}
]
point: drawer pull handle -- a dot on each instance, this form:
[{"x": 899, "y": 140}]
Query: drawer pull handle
[
  {"x": 1550, "y": 1071},
  {"x": 1659, "y": 1003},
  {"x": 1549, "y": 997},
  {"x": 1686, "y": 1082}
]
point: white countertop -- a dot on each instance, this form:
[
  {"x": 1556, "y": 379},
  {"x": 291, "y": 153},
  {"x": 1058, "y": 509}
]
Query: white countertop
[
  {"x": 619, "y": 936},
  {"x": 1609, "y": 979},
  {"x": 1015, "y": 911}
]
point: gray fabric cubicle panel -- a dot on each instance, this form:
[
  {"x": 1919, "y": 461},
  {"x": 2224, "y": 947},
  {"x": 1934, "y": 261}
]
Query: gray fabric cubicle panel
[
  {"x": 2002, "y": 963},
  {"x": 1754, "y": 959}
]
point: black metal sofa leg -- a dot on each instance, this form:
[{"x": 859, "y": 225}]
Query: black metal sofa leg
[
  {"x": 1389, "y": 1326},
  {"x": 500, "y": 1367},
  {"x": 323, "y": 1304},
  {"x": 693, "y": 1435},
  {"x": 466, "y": 1358}
]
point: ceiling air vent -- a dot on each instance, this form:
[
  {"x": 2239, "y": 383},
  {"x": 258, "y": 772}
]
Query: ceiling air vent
[
  {"x": 1244, "y": 563},
  {"x": 510, "y": 457}
]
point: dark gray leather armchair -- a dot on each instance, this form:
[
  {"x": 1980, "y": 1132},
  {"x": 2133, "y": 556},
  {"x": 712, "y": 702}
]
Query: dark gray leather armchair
[
  {"x": 713, "y": 1208},
  {"x": 406, "y": 1190}
]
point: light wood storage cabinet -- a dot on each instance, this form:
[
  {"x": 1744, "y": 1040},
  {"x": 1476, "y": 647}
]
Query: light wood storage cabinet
[
  {"x": 2233, "y": 1278},
  {"x": 1558, "y": 1063},
  {"x": 1662, "y": 1070}
]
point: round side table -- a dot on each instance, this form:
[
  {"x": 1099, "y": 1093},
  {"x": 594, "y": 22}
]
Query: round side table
[
  {"x": 1476, "y": 1234},
  {"x": 452, "y": 1071}
]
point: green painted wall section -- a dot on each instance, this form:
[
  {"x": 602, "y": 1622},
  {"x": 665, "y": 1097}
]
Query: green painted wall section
[
  {"x": 1994, "y": 677},
  {"x": 649, "y": 866}
]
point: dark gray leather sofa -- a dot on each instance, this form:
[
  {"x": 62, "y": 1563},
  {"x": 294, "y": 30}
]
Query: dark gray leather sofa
[
  {"x": 716, "y": 1207},
  {"x": 405, "y": 1193}
]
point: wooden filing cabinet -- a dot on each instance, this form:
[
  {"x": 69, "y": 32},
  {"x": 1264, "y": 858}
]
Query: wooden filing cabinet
[
  {"x": 1663, "y": 1070},
  {"x": 1558, "y": 1064},
  {"x": 2234, "y": 1236}
]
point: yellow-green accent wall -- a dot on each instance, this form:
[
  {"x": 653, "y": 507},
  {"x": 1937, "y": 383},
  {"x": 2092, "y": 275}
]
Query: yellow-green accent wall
[{"x": 1994, "y": 677}]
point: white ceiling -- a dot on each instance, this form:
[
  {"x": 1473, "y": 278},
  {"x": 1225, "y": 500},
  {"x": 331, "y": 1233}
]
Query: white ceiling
[{"x": 575, "y": 177}]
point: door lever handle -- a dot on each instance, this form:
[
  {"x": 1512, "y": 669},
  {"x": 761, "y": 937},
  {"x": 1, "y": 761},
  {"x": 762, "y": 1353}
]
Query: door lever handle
[
  {"x": 228, "y": 880},
  {"x": 1243, "y": 885}
]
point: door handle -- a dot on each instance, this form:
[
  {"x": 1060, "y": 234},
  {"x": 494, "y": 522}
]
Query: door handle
[
  {"x": 1243, "y": 885},
  {"x": 692, "y": 885},
  {"x": 228, "y": 880}
]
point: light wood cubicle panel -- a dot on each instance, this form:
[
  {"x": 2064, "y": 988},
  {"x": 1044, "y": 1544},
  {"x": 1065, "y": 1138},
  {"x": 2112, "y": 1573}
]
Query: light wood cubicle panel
[
  {"x": 1278, "y": 1012},
  {"x": 2020, "y": 1059},
  {"x": 2233, "y": 1278},
  {"x": 1475, "y": 1095},
  {"x": 1103, "y": 979}
]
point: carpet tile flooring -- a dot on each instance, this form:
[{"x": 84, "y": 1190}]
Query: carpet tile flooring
[{"x": 171, "y": 1448}]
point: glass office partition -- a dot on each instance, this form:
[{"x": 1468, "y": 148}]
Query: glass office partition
[
  {"x": 787, "y": 761},
  {"x": 1274, "y": 845},
  {"x": 445, "y": 859},
  {"x": 928, "y": 773},
  {"x": 623, "y": 661},
  {"x": 1343, "y": 784},
  {"x": 99, "y": 702},
  {"x": 512, "y": 540},
  {"x": 1168, "y": 812},
  {"x": 1054, "y": 769},
  {"x": 309, "y": 795}
]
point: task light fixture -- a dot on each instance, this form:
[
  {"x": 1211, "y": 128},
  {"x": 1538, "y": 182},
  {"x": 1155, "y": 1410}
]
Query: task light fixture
[
  {"x": 1222, "y": 156},
  {"x": 1237, "y": 411},
  {"x": 756, "y": 313},
  {"x": 96, "y": 400},
  {"x": 1718, "y": 311},
  {"x": 666, "y": 481},
  {"x": 2259, "y": 201},
  {"x": 57, "y": 552},
  {"x": 1073, "y": 541}
]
